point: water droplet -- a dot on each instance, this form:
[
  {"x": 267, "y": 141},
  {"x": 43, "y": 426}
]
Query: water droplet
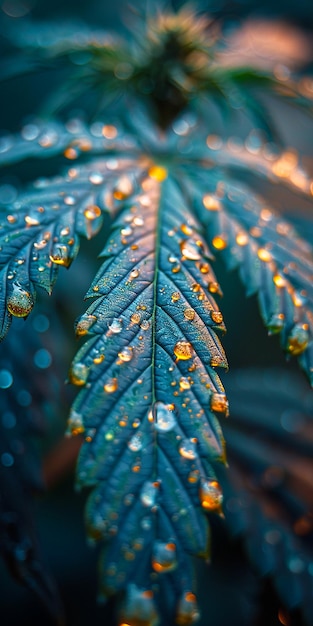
[
  {"x": 211, "y": 496},
  {"x": 96, "y": 178},
  {"x": 126, "y": 231},
  {"x": 75, "y": 424},
  {"x": 183, "y": 350},
  {"x": 116, "y": 325},
  {"x": 60, "y": 255},
  {"x": 157, "y": 172},
  {"x": 219, "y": 403},
  {"x": 69, "y": 200},
  {"x": 242, "y": 239},
  {"x": 211, "y": 202},
  {"x": 7, "y": 459},
  {"x": 138, "y": 221},
  {"x": 145, "y": 325},
  {"x": 187, "y": 610},
  {"x": 42, "y": 358},
  {"x": 164, "y": 557},
  {"x": 123, "y": 189},
  {"x": 217, "y": 317},
  {"x": 214, "y": 287},
  {"x": 184, "y": 383},
  {"x": 78, "y": 374},
  {"x": 193, "y": 477},
  {"x": 298, "y": 339},
  {"x": 139, "y": 608},
  {"x": 92, "y": 212},
  {"x": 149, "y": 492},
  {"x": 134, "y": 274},
  {"x": 20, "y": 302},
  {"x": 109, "y": 131},
  {"x": 135, "y": 443},
  {"x": 31, "y": 221},
  {"x": 187, "y": 449},
  {"x": 189, "y": 314},
  {"x": 264, "y": 255},
  {"x": 187, "y": 230},
  {"x": 164, "y": 417},
  {"x": 135, "y": 318},
  {"x": 219, "y": 242},
  {"x": 6, "y": 379},
  {"x": 99, "y": 359},
  {"x": 84, "y": 324},
  {"x": 175, "y": 296},
  {"x": 126, "y": 354},
  {"x": 111, "y": 385},
  {"x": 191, "y": 250},
  {"x": 176, "y": 268}
]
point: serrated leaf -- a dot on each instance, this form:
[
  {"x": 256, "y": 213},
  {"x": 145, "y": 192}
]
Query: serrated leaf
[
  {"x": 268, "y": 492},
  {"x": 150, "y": 391},
  {"x": 41, "y": 231}
]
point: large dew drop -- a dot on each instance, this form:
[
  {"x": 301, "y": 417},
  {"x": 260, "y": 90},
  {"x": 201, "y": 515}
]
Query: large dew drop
[
  {"x": 20, "y": 301},
  {"x": 211, "y": 496},
  {"x": 164, "y": 418},
  {"x": 164, "y": 557},
  {"x": 183, "y": 350}
]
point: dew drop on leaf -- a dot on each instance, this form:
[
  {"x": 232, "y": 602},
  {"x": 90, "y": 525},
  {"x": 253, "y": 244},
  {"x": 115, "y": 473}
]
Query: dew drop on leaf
[
  {"x": 187, "y": 449},
  {"x": 116, "y": 326},
  {"x": 78, "y": 374},
  {"x": 60, "y": 255},
  {"x": 84, "y": 324},
  {"x": 189, "y": 314},
  {"x": 219, "y": 242},
  {"x": 211, "y": 203},
  {"x": 111, "y": 385},
  {"x": 219, "y": 403},
  {"x": 217, "y": 317},
  {"x": 183, "y": 350},
  {"x": 190, "y": 250},
  {"x": 92, "y": 212},
  {"x": 184, "y": 383},
  {"x": 126, "y": 354},
  {"x": 211, "y": 496},
  {"x": 20, "y": 302},
  {"x": 148, "y": 494},
  {"x": 298, "y": 339},
  {"x": 187, "y": 610},
  {"x": 164, "y": 557},
  {"x": 164, "y": 418},
  {"x": 135, "y": 443}
]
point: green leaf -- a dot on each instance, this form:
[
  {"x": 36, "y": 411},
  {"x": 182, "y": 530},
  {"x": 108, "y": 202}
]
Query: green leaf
[{"x": 149, "y": 392}]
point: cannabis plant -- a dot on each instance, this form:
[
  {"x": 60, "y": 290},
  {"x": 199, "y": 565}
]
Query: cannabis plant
[{"x": 145, "y": 167}]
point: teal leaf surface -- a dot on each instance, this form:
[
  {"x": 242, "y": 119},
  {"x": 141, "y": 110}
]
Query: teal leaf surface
[
  {"x": 149, "y": 395},
  {"x": 41, "y": 231}
]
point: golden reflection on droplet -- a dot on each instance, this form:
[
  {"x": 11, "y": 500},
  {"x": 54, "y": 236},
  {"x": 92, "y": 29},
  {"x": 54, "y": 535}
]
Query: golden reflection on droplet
[
  {"x": 189, "y": 314},
  {"x": 157, "y": 172},
  {"x": 92, "y": 212},
  {"x": 219, "y": 242},
  {"x": 242, "y": 239},
  {"x": 211, "y": 496},
  {"x": 109, "y": 131},
  {"x": 217, "y": 317},
  {"x": 279, "y": 280},
  {"x": 211, "y": 203},
  {"x": 111, "y": 385},
  {"x": 264, "y": 255},
  {"x": 183, "y": 350}
]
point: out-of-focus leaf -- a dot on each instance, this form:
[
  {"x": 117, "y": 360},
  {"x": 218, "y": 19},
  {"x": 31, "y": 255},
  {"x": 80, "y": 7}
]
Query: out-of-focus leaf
[{"x": 268, "y": 490}]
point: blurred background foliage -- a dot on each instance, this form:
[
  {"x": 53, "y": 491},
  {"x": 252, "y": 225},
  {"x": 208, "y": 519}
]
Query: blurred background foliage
[{"x": 231, "y": 581}]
